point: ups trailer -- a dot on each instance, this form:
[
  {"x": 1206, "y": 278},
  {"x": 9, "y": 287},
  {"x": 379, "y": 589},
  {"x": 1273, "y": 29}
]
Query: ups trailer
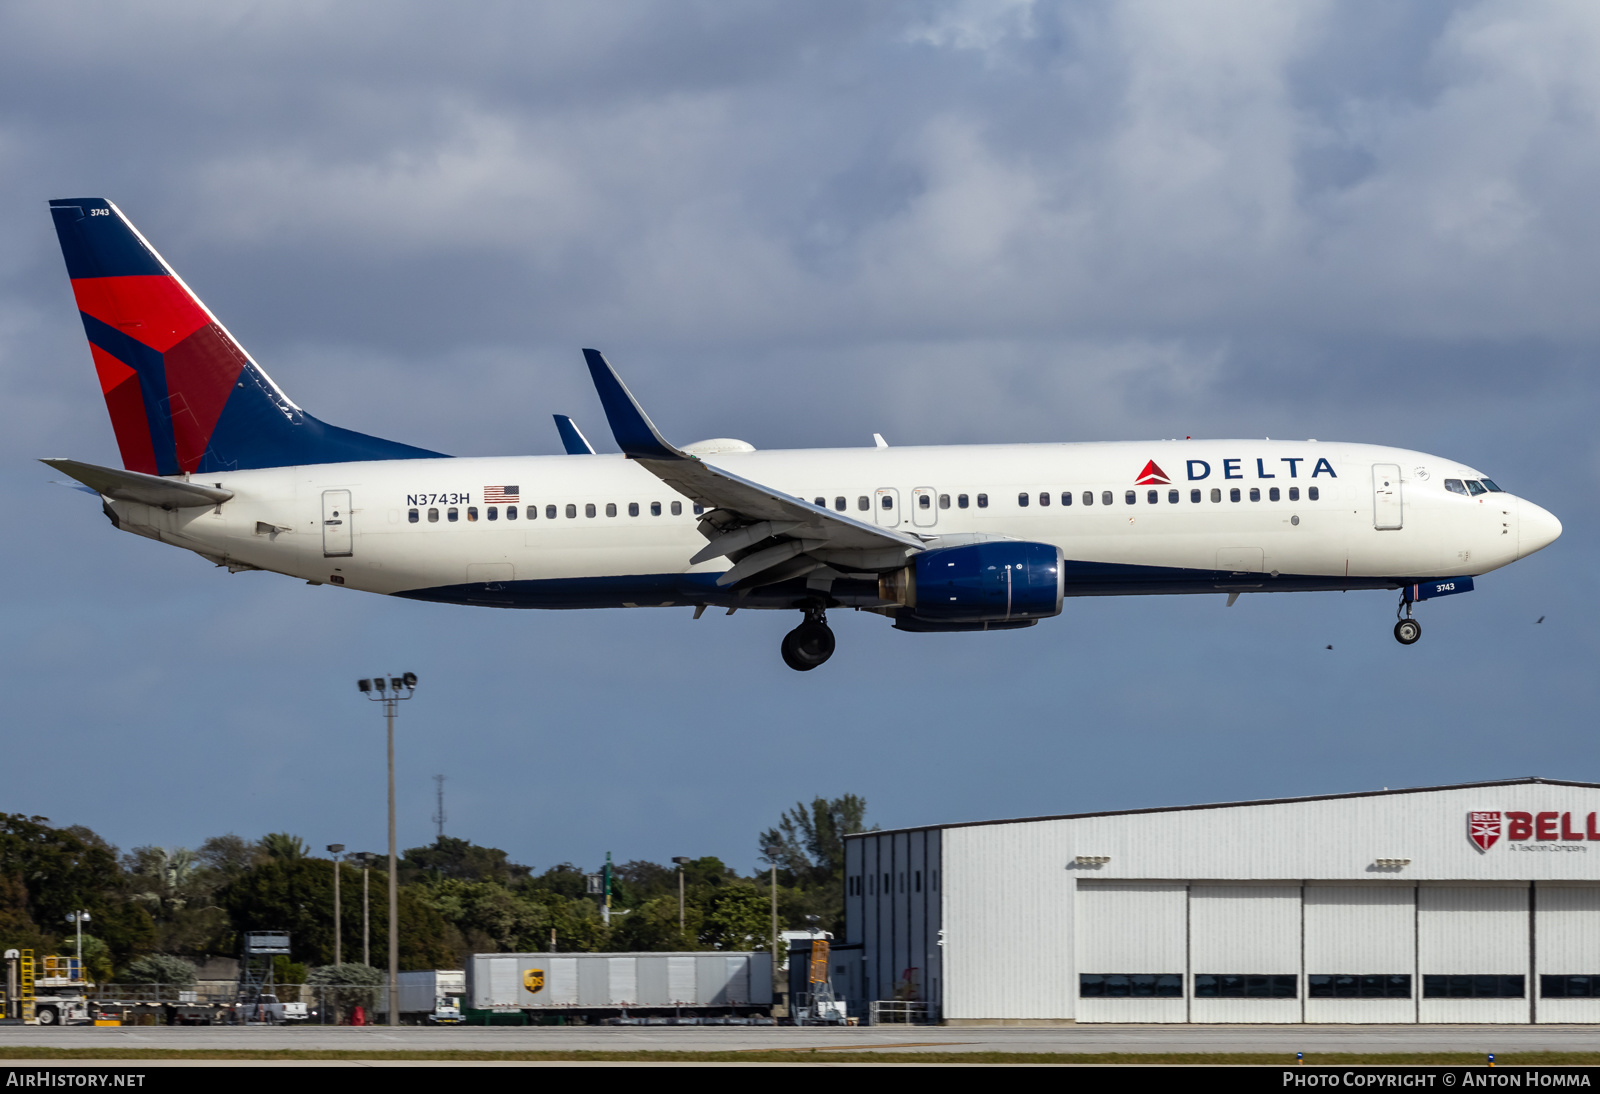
[{"x": 561, "y": 988}]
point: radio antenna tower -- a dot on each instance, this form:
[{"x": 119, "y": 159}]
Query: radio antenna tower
[{"x": 439, "y": 816}]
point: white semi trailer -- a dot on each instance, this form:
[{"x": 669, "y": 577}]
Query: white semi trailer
[{"x": 596, "y": 986}]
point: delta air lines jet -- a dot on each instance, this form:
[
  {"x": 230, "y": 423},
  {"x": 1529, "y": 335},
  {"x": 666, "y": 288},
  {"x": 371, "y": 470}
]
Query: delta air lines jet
[{"x": 217, "y": 459}]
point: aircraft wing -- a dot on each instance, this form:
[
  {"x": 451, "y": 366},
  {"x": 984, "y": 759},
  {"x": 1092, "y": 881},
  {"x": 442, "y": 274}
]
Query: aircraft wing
[
  {"x": 794, "y": 535},
  {"x": 137, "y": 486}
]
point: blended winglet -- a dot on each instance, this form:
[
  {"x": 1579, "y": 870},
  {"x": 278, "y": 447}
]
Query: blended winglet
[
  {"x": 635, "y": 434},
  {"x": 572, "y": 438}
]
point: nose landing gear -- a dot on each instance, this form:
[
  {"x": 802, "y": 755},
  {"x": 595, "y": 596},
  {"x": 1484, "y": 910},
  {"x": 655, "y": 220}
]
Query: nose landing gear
[
  {"x": 809, "y": 644},
  {"x": 1407, "y": 630}
]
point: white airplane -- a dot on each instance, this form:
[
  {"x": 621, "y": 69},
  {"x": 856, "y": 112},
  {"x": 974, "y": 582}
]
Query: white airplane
[{"x": 219, "y": 461}]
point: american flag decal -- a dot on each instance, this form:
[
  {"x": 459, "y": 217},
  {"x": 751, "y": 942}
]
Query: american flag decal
[{"x": 505, "y": 495}]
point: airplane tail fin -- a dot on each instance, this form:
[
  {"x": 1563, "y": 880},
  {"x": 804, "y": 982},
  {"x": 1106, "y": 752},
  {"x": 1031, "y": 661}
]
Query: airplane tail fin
[{"x": 184, "y": 396}]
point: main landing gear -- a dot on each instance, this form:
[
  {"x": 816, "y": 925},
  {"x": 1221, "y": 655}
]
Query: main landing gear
[
  {"x": 1408, "y": 630},
  {"x": 809, "y": 644}
]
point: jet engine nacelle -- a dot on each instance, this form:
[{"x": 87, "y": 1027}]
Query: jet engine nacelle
[{"x": 992, "y": 582}]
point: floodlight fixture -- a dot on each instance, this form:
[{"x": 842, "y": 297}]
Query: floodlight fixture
[
  {"x": 380, "y": 682},
  {"x": 364, "y": 685},
  {"x": 396, "y": 683},
  {"x": 335, "y": 848},
  {"x": 681, "y": 861},
  {"x": 410, "y": 679}
]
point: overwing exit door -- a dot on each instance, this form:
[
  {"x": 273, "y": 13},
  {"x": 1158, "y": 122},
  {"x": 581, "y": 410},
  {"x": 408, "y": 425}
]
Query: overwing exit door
[
  {"x": 924, "y": 507},
  {"x": 1388, "y": 511},
  {"x": 886, "y": 506},
  {"x": 336, "y": 524}
]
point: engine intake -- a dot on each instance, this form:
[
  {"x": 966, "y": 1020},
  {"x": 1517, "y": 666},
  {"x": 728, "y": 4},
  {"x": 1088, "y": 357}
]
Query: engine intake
[{"x": 997, "y": 581}]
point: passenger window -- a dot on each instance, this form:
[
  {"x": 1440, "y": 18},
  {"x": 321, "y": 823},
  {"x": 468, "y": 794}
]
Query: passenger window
[
  {"x": 589, "y": 509},
  {"x": 572, "y": 511},
  {"x": 493, "y": 513},
  {"x": 1044, "y": 499},
  {"x": 1130, "y": 498},
  {"x": 1272, "y": 495},
  {"x": 633, "y": 508},
  {"x": 698, "y": 509},
  {"x": 888, "y": 501},
  {"x": 1022, "y": 500},
  {"x": 1456, "y": 486},
  {"x": 452, "y": 514},
  {"x": 1255, "y": 493},
  {"x": 433, "y": 516},
  {"x": 1311, "y": 493},
  {"x": 1488, "y": 484},
  {"x": 983, "y": 501},
  {"x": 944, "y": 501},
  {"x": 655, "y": 509},
  {"x": 472, "y": 512},
  {"x": 863, "y": 503},
  {"x": 1066, "y": 497},
  {"x": 549, "y": 512},
  {"x": 511, "y": 512},
  {"x": 1088, "y": 497},
  {"x": 1153, "y": 496},
  {"x": 961, "y": 501},
  {"x": 1105, "y": 497},
  {"x": 1216, "y": 493},
  {"x": 1172, "y": 497},
  {"x": 1294, "y": 493},
  {"x": 611, "y": 508},
  {"x": 1233, "y": 495},
  {"x": 1194, "y": 495},
  {"x": 677, "y": 508},
  {"x": 838, "y": 503},
  {"x": 820, "y": 503},
  {"x": 924, "y": 501},
  {"x": 412, "y": 516},
  {"x": 1474, "y": 487}
]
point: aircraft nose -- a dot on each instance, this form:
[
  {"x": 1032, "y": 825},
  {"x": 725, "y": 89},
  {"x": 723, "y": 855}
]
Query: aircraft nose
[{"x": 1536, "y": 528}]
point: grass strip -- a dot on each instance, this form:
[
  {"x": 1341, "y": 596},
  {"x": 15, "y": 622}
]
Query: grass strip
[{"x": 832, "y": 1056}]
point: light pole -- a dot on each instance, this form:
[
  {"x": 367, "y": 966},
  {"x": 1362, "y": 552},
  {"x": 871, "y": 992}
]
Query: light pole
[
  {"x": 682, "y": 862},
  {"x": 388, "y": 692},
  {"x": 79, "y": 918},
  {"x": 365, "y": 858},
  {"x": 338, "y": 934}
]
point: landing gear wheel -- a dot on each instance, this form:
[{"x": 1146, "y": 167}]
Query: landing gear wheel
[
  {"x": 1407, "y": 631},
  {"x": 807, "y": 646}
]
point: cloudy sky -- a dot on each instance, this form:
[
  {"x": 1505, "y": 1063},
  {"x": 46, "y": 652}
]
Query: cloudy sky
[{"x": 799, "y": 224}]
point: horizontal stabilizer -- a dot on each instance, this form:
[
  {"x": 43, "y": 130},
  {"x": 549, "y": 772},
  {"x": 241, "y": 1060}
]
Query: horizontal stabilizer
[
  {"x": 137, "y": 486},
  {"x": 572, "y": 438}
]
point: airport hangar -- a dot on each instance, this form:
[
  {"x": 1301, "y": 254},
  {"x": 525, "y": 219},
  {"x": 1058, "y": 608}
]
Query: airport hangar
[{"x": 1470, "y": 903}]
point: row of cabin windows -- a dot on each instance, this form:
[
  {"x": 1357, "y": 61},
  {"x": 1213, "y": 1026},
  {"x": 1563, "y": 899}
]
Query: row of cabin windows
[
  {"x": 853, "y": 885},
  {"x": 924, "y": 501},
  {"x": 1153, "y": 497},
  {"x": 551, "y": 512}
]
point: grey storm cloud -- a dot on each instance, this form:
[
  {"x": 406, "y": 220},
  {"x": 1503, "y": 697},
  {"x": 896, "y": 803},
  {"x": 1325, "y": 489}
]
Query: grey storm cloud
[{"x": 801, "y": 223}]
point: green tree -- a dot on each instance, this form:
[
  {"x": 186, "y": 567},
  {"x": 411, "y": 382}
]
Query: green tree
[
  {"x": 159, "y": 968},
  {"x": 461, "y": 860},
  {"x": 808, "y": 844},
  {"x": 737, "y": 917},
  {"x": 66, "y": 869},
  {"x": 284, "y": 847}
]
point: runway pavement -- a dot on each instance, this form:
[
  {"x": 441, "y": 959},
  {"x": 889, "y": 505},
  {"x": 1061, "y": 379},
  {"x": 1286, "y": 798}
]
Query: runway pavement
[{"x": 912, "y": 1039}]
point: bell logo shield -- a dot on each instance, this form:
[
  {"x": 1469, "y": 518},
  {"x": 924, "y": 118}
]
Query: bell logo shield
[
  {"x": 1483, "y": 829},
  {"x": 533, "y": 979}
]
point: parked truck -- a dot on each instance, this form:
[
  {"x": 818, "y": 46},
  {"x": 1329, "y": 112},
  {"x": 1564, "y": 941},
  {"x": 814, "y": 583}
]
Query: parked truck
[{"x": 602, "y": 986}]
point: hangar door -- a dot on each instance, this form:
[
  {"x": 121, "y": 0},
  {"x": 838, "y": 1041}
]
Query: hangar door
[
  {"x": 1472, "y": 952},
  {"x": 1132, "y": 954},
  {"x": 1245, "y": 956},
  {"x": 1360, "y": 953},
  {"x": 1567, "y": 952}
]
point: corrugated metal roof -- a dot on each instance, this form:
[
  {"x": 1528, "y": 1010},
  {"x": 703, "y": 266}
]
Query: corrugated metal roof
[{"x": 1235, "y": 805}]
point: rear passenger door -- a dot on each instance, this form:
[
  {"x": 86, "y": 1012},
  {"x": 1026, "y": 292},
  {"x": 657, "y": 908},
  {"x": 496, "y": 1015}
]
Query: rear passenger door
[{"x": 337, "y": 529}]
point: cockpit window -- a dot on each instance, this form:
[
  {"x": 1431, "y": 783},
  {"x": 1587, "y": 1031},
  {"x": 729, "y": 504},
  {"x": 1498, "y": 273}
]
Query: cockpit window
[
  {"x": 1455, "y": 486},
  {"x": 1488, "y": 484},
  {"x": 1474, "y": 487}
]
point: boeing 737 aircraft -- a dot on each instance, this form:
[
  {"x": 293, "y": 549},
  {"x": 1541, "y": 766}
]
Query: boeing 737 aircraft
[{"x": 218, "y": 460}]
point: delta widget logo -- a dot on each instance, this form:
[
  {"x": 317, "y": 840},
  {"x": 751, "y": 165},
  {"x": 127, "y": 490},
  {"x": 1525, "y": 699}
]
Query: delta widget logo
[{"x": 1152, "y": 476}]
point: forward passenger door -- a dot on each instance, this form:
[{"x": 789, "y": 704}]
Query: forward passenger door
[{"x": 1387, "y": 505}]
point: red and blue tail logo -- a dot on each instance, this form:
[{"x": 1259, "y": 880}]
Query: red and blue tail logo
[{"x": 184, "y": 396}]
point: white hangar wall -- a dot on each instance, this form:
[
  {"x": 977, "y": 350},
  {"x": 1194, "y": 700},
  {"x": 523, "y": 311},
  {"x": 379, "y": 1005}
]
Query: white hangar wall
[{"x": 1239, "y": 912}]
